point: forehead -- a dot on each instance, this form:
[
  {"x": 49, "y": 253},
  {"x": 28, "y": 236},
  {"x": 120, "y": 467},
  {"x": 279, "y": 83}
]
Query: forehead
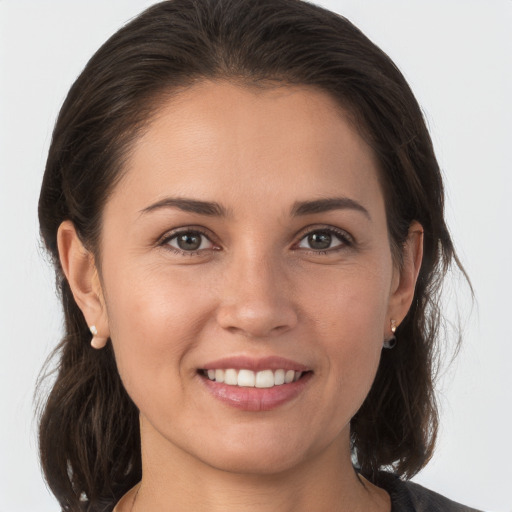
[{"x": 222, "y": 139}]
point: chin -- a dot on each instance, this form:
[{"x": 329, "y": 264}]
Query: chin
[
  {"x": 252, "y": 463},
  {"x": 258, "y": 453}
]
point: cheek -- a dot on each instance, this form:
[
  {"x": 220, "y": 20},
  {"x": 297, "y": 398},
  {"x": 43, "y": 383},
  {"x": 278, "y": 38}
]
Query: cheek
[
  {"x": 348, "y": 318},
  {"x": 351, "y": 305},
  {"x": 154, "y": 321}
]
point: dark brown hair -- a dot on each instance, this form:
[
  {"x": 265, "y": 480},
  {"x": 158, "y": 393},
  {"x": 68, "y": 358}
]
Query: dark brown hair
[{"x": 89, "y": 432}]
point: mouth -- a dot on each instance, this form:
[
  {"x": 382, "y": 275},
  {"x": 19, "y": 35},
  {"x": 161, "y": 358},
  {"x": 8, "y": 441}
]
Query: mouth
[
  {"x": 255, "y": 385},
  {"x": 245, "y": 378}
]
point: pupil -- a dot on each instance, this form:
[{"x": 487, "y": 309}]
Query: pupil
[
  {"x": 189, "y": 241},
  {"x": 319, "y": 240}
]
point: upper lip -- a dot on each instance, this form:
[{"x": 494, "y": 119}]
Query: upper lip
[{"x": 255, "y": 364}]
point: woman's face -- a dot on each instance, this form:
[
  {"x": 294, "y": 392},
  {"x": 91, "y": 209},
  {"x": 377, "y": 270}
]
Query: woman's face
[{"x": 248, "y": 240}]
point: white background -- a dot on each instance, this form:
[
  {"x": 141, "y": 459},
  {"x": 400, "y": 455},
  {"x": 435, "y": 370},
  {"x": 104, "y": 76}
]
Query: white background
[{"x": 457, "y": 58}]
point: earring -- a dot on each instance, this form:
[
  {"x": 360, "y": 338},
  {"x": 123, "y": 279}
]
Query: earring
[
  {"x": 391, "y": 342},
  {"x": 97, "y": 342}
]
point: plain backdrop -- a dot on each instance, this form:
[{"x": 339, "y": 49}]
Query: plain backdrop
[{"x": 456, "y": 54}]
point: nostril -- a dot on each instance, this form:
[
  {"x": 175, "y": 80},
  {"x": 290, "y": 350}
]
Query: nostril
[
  {"x": 256, "y": 322},
  {"x": 256, "y": 310}
]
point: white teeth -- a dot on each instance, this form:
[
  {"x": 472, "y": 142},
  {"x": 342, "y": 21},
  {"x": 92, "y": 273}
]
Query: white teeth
[
  {"x": 279, "y": 377},
  {"x": 246, "y": 378},
  {"x": 265, "y": 379},
  {"x": 230, "y": 377},
  {"x": 249, "y": 379}
]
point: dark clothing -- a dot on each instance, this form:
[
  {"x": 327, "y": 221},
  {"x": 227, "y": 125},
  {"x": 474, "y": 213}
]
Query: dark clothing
[{"x": 411, "y": 497}]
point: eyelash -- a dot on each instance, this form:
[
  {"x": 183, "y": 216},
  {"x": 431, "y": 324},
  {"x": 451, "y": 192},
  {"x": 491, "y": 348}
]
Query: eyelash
[
  {"x": 189, "y": 231},
  {"x": 342, "y": 236},
  {"x": 346, "y": 240}
]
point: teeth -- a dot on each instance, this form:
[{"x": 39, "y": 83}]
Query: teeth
[
  {"x": 230, "y": 377},
  {"x": 246, "y": 378},
  {"x": 279, "y": 377},
  {"x": 265, "y": 379},
  {"x": 290, "y": 375},
  {"x": 249, "y": 379}
]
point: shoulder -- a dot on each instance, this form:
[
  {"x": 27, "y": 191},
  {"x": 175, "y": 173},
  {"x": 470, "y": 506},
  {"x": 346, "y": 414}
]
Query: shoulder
[{"x": 412, "y": 497}]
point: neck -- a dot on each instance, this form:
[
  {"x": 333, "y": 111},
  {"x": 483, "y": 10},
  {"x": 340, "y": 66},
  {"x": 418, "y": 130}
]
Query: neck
[{"x": 173, "y": 480}]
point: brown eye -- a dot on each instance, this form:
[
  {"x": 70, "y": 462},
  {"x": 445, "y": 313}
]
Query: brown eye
[
  {"x": 320, "y": 240},
  {"x": 188, "y": 241},
  {"x": 323, "y": 240}
]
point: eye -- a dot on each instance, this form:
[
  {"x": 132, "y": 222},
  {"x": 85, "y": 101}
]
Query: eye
[
  {"x": 324, "y": 240},
  {"x": 189, "y": 241}
]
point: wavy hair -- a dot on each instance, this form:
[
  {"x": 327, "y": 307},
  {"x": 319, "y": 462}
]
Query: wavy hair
[{"x": 89, "y": 433}]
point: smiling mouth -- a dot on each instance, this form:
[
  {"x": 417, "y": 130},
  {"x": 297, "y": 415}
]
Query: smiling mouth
[{"x": 251, "y": 379}]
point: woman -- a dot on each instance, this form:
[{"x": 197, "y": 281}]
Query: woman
[{"x": 245, "y": 214}]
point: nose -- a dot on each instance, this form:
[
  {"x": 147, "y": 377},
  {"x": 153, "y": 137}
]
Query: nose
[{"x": 256, "y": 298}]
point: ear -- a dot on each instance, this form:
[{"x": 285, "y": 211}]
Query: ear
[
  {"x": 405, "y": 277},
  {"x": 81, "y": 273}
]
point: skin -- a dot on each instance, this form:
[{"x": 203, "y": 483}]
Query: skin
[{"x": 256, "y": 287}]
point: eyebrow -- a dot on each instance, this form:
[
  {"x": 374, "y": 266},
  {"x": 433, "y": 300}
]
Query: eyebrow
[
  {"x": 299, "y": 208},
  {"x": 328, "y": 204},
  {"x": 188, "y": 205}
]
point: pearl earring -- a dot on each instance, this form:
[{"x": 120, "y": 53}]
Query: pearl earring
[{"x": 97, "y": 342}]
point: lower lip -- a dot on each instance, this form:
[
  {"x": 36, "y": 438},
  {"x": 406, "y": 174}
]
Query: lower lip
[{"x": 256, "y": 399}]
